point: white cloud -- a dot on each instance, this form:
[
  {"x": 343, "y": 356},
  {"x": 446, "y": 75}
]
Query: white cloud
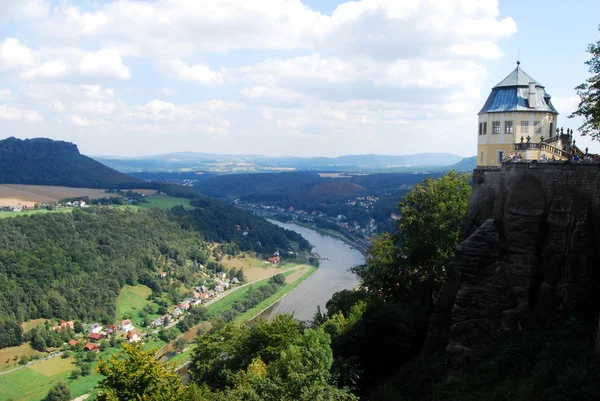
[
  {"x": 61, "y": 63},
  {"x": 95, "y": 107},
  {"x": 565, "y": 105},
  {"x": 179, "y": 28},
  {"x": 23, "y": 9},
  {"x": 5, "y": 94},
  {"x": 198, "y": 74},
  {"x": 18, "y": 113},
  {"x": 272, "y": 95},
  {"x": 80, "y": 121},
  {"x": 167, "y": 92},
  {"x": 14, "y": 56},
  {"x": 58, "y": 106}
]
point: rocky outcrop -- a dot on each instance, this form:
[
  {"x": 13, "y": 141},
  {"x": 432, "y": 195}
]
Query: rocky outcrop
[{"x": 530, "y": 235}]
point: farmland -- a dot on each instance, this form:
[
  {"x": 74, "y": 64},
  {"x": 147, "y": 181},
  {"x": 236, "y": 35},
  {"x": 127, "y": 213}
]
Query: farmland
[
  {"x": 165, "y": 202},
  {"x": 28, "y": 195}
]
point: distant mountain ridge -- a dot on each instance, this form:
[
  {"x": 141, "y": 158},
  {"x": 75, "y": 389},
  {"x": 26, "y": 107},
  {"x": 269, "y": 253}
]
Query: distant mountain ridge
[
  {"x": 42, "y": 161},
  {"x": 253, "y": 163}
]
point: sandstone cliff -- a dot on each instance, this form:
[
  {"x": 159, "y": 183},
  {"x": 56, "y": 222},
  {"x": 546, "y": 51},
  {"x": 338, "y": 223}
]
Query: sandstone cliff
[{"x": 531, "y": 235}]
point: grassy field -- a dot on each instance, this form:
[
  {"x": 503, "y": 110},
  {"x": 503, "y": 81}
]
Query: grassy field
[
  {"x": 131, "y": 301},
  {"x": 165, "y": 202},
  {"x": 32, "y": 323},
  {"x": 7, "y": 355},
  {"x": 28, "y": 195}
]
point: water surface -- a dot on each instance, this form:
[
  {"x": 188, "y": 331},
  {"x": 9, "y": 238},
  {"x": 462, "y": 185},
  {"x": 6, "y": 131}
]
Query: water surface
[{"x": 331, "y": 276}]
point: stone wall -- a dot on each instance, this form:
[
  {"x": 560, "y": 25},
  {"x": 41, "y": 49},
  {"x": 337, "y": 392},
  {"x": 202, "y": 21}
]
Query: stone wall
[{"x": 531, "y": 234}]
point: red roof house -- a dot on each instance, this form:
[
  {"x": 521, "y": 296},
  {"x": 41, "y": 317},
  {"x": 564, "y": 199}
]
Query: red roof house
[
  {"x": 95, "y": 337},
  {"x": 73, "y": 342},
  {"x": 91, "y": 347}
]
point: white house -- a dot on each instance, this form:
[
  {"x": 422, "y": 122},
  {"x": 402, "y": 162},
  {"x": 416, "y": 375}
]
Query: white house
[{"x": 125, "y": 326}]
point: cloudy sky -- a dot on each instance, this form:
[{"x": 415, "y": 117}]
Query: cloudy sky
[{"x": 278, "y": 77}]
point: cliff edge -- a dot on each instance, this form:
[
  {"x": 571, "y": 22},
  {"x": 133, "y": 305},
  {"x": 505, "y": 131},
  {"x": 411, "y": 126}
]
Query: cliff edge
[{"x": 530, "y": 237}]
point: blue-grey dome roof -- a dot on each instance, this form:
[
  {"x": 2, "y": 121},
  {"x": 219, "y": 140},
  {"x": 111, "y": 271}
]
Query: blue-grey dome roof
[{"x": 511, "y": 94}]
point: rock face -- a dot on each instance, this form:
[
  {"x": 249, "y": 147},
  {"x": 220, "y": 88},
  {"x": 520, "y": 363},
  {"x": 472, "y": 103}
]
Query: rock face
[{"x": 531, "y": 235}]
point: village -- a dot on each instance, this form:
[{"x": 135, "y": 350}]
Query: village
[{"x": 351, "y": 226}]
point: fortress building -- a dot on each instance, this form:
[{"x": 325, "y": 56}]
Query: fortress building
[{"x": 518, "y": 117}]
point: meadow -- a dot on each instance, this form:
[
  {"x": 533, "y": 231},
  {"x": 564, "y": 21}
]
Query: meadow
[
  {"x": 165, "y": 202},
  {"x": 131, "y": 301}
]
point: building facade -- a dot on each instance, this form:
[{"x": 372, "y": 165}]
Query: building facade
[{"x": 518, "y": 117}]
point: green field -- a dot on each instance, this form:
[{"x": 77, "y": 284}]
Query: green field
[
  {"x": 131, "y": 301},
  {"x": 4, "y": 215},
  {"x": 165, "y": 202}
]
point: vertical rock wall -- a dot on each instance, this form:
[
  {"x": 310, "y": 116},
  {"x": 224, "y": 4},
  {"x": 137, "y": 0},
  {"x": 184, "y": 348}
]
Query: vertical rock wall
[{"x": 531, "y": 232}]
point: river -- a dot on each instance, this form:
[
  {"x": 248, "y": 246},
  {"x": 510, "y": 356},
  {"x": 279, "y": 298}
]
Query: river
[{"x": 331, "y": 276}]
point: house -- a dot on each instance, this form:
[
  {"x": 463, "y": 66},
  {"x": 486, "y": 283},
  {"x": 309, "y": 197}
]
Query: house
[
  {"x": 94, "y": 337},
  {"x": 195, "y": 302},
  {"x": 204, "y": 296},
  {"x": 235, "y": 280},
  {"x": 111, "y": 328},
  {"x": 219, "y": 288},
  {"x": 162, "y": 274},
  {"x": 91, "y": 347},
  {"x": 157, "y": 322},
  {"x": 73, "y": 342},
  {"x": 185, "y": 305},
  {"x": 95, "y": 328},
  {"x": 276, "y": 253},
  {"x": 177, "y": 312},
  {"x": 67, "y": 325},
  {"x": 125, "y": 325},
  {"x": 274, "y": 259},
  {"x": 133, "y": 337}
]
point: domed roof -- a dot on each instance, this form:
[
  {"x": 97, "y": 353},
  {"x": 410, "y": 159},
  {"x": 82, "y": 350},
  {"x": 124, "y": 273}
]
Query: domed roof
[
  {"x": 512, "y": 94},
  {"x": 517, "y": 78}
]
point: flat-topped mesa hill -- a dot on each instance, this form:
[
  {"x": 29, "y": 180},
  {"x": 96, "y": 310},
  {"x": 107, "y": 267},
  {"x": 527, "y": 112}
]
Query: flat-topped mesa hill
[
  {"x": 42, "y": 161},
  {"x": 530, "y": 242}
]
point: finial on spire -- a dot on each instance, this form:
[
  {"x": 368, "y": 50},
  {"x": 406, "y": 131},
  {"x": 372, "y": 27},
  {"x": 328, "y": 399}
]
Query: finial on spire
[{"x": 518, "y": 62}]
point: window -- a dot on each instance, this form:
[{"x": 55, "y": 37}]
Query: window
[
  {"x": 508, "y": 127},
  {"x": 537, "y": 127},
  {"x": 482, "y": 128},
  {"x": 481, "y": 157},
  {"x": 500, "y": 156},
  {"x": 496, "y": 127},
  {"x": 524, "y": 127}
]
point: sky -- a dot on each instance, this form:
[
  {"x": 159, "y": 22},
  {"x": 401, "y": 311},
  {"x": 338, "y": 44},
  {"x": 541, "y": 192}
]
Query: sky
[{"x": 279, "y": 77}]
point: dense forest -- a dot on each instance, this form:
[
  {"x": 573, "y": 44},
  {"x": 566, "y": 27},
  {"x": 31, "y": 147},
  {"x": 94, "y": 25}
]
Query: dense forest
[
  {"x": 73, "y": 265},
  {"x": 43, "y": 161}
]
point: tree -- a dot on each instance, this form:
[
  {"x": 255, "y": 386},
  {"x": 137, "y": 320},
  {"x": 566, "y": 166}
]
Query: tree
[
  {"x": 86, "y": 369},
  {"x": 589, "y": 95},
  {"x": 60, "y": 392},
  {"x": 137, "y": 375},
  {"x": 414, "y": 260},
  {"x": 180, "y": 344}
]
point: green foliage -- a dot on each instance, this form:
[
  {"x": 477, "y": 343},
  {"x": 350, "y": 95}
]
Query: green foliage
[
  {"x": 276, "y": 360},
  {"x": 42, "y": 161},
  {"x": 11, "y": 333},
  {"x": 415, "y": 258},
  {"x": 72, "y": 266},
  {"x": 60, "y": 392},
  {"x": 589, "y": 95},
  {"x": 136, "y": 375},
  {"x": 169, "y": 334}
]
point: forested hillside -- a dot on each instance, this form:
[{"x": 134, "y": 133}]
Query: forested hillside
[{"x": 42, "y": 161}]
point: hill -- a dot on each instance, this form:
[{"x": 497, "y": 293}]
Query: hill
[
  {"x": 42, "y": 161},
  {"x": 468, "y": 164},
  {"x": 255, "y": 163},
  {"x": 338, "y": 189}
]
